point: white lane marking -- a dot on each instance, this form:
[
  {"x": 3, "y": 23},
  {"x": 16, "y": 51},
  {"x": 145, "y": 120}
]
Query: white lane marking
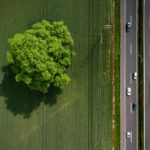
[
  {"x": 130, "y": 49},
  {"x": 130, "y": 78},
  {"x": 131, "y": 19},
  {"x": 130, "y": 107},
  {"x": 131, "y": 138}
]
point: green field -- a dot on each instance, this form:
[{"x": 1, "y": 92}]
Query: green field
[{"x": 79, "y": 118}]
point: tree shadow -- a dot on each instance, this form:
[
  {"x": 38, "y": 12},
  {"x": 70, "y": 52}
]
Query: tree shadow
[{"x": 20, "y": 99}]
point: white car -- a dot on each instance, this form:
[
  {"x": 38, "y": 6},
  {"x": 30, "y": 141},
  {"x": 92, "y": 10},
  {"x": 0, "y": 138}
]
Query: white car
[
  {"x": 128, "y": 91},
  {"x": 128, "y": 134},
  {"x": 134, "y": 75}
]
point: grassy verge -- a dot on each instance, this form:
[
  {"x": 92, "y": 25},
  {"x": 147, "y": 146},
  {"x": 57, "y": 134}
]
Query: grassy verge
[
  {"x": 117, "y": 74},
  {"x": 140, "y": 70}
]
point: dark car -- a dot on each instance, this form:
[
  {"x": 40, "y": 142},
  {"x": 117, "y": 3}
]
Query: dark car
[
  {"x": 128, "y": 27},
  {"x": 134, "y": 106}
]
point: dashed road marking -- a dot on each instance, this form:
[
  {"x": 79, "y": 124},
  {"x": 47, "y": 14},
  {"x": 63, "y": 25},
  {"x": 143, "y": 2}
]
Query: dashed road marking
[
  {"x": 130, "y": 49},
  {"x": 131, "y": 19},
  {"x": 131, "y": 138},
  {"x": 130, "y": 78},
  {"x": 130, "y": 107}
]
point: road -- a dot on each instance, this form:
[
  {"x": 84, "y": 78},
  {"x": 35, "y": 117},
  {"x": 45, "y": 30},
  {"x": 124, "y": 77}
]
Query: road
[
  {"x": 129, "y": 118},
  {"x": 146, "y": 74}
]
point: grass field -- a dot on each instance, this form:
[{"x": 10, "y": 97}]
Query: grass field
[{"x": 79, "y": 118}]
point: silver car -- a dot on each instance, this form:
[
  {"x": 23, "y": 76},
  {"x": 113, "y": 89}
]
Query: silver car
[{"x": 128, "y": 91}]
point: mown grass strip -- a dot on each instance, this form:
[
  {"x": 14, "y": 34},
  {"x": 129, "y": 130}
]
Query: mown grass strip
[{"x": 117, "y": 74}]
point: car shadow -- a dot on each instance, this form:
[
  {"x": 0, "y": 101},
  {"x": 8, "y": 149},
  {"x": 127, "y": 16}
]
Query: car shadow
[{"x": 20, "y": 99}]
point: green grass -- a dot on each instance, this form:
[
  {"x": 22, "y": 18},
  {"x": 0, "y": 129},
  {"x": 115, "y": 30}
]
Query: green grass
[
  {"x": 79, "y": 118},
  {"x": 117, "y": 73}
]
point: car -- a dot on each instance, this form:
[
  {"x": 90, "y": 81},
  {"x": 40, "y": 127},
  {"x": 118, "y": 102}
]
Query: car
[
  {"x": 128, "y": 134},
  {"x": 134, "y": 106},
  {"x": 128, "y": 27},
  {"x": 134, "y": 75},
  {"x": 128, "y": 91}
]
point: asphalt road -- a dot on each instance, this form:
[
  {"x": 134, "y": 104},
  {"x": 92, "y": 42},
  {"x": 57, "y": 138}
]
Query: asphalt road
[
  {"x": 147, "y": 74},
  {"x": 129, "y": 118}
]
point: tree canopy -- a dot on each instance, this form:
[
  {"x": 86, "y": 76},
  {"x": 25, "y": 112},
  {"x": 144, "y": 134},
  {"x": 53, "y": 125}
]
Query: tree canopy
[{"x": 40, "y": 55}]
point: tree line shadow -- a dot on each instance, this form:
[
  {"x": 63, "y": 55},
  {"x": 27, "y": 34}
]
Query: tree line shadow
[{"x": 20, "y": 99}]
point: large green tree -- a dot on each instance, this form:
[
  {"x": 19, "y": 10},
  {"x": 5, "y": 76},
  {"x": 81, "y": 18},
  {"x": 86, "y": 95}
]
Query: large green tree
[{"x": 40, "y": 55}]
